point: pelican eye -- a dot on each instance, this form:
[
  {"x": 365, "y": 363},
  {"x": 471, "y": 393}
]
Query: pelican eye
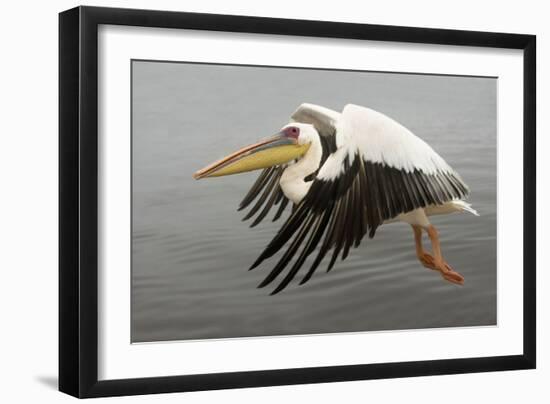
[{"x": 292, "y": 131}]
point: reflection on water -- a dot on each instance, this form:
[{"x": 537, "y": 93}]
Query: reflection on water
[{"x": 191, "y": 252}]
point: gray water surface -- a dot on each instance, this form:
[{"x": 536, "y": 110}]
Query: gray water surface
[{"x": 191, "y": 251}]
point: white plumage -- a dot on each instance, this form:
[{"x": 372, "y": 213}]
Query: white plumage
[{"x": 380, "y": 139}]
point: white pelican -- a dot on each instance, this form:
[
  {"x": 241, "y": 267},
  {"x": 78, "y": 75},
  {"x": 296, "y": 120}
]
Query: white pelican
[{"x": 346, "y": 174}]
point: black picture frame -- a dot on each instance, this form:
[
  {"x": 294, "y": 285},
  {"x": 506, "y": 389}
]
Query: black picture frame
[{"x": 78, "y": 201}]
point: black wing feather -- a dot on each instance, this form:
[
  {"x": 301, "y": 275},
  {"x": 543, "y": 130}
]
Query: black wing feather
[
  {"x": 267, "y": 207},
  {"x": 257, "y": 187},
  {"x": 273, "y": 181},
  {"x": 267, "y": 183}
]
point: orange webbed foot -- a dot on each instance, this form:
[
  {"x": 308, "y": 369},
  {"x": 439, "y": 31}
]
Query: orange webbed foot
[
  {"x": 447, "y": 272},
  {"x": 450, "y": 275}
]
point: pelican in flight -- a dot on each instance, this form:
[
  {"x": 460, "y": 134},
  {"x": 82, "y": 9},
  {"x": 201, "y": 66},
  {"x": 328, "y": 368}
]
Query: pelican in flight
[{"x": 346, "y": 174}]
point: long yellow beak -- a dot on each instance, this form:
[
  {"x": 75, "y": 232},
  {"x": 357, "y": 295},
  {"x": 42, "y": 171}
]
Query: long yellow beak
[{"x": 276, "y": 150}]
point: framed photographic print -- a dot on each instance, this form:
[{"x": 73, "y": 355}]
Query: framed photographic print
[{"x": 251, "y": 201}]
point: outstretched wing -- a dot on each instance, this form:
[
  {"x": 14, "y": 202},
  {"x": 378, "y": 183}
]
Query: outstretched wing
[
  {"x": 380, "y": 171},
  {"x": 266, "y": 190}
]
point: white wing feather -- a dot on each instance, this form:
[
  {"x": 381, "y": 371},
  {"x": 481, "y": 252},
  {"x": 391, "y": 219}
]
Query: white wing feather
[{"x": 380, "y": 139}]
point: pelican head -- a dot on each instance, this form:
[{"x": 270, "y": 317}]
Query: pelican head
[{"x": 291, "y": 143}]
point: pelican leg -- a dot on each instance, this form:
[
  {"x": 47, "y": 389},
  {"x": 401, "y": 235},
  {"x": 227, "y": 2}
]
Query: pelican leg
[
  {"x": 425, "y": 259},
  {"x": 446, "y": 270}
]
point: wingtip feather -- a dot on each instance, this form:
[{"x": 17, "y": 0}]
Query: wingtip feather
[{"x": 255, "y": 264}]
